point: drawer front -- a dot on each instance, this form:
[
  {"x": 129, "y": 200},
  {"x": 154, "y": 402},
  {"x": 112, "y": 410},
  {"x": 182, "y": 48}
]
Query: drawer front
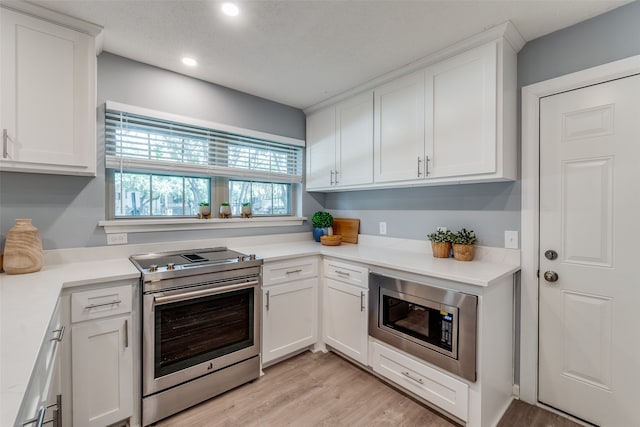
[
  {"x": 287, "y": 271},
  {"x": 347, "y": 273},
  {"x": 434, "y": 386},
  {"x": 99, "y": 303}
]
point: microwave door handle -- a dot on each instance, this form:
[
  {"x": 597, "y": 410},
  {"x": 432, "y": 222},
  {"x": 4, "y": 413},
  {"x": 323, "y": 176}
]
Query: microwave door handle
[{"x": 185, "y": 296}]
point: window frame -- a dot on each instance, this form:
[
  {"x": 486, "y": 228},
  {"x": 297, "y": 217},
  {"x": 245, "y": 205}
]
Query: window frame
[{"x": 219, "y": 185}]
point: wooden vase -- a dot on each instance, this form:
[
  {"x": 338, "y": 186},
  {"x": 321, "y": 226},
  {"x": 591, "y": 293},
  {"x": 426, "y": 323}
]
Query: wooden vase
[
  {"x": 23, "y": 248},
  {"x": 463, "y": 252},
  {"x": 441, "y": 249}
]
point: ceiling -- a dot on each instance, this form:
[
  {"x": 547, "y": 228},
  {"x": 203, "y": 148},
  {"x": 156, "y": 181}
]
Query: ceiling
[{"x": 301, "y": 52}]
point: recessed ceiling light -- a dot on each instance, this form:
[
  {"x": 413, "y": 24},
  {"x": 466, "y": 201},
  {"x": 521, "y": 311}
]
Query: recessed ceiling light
[
  {"x": 189, "y": 61},
  {"x": 230, "y": 9}
]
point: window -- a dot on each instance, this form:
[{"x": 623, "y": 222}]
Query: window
[{"x": 161, "y": 165}]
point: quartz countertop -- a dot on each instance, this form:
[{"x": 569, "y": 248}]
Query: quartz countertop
[{"x": 27, "y": 301}]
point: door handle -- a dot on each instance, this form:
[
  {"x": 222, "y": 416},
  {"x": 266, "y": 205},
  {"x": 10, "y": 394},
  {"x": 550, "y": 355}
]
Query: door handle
[
  {"x": 419, "y": 171},
  {"x": 267, "y": 304},
  {"x": 330, "y": 177},
  {"x": 550, "y": 276},
  {"x": 5, "y": 144},
  {"x": 426, "y": 166},
  {"x": 361, "y": 300}
]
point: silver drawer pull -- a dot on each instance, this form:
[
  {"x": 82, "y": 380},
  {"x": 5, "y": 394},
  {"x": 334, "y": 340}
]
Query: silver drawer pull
[
  {"x": 411, "y": 377},
  {"x": 267, "y": 305},
  {"x": 60, "y": 333},
  {"x": 361, "y": 300},
  {"x": 104, "y": 304},
  {"x": 295, "y": 271},
  {"x": 343, "y": 273}
]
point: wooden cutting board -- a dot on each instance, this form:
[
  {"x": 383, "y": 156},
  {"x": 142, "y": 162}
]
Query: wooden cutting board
[{"x": 348, "y": 228}]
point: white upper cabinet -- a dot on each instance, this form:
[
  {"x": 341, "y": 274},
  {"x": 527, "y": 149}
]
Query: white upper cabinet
[
  {"x": 47, "y": 95},
  {"x": 340, "y": 145},
  {"x": 451, "y": 121},
  {"x": 460, "y": 136},
  {"x": 399, "y": 129}
]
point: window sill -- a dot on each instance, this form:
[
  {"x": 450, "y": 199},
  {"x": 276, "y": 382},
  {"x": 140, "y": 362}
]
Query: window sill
[{"x": 182, "y": 224}]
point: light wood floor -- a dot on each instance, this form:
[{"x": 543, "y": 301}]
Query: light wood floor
[{"x": 322, "y": 389}]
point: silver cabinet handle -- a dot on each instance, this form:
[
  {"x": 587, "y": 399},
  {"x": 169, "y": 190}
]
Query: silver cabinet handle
[
  {"x": 331, "y": 178},
  {"x": 5, "y": 144},
  {"x": 361, "y": 300},
  {"x": 336, "y": 179},
  {"x": 267, "y": 305},
  {"x": 419, "y": 168},
  {"x": 60, "y": 333},
  {"x": 91, "y": 306},
  {"x": 294, "y": 271},
  {"x": 343, "y": 273},
  {"x": 126, "y": 333},
  {"x": 411, "y": 377},
  {"x": 426, "y": 166}
]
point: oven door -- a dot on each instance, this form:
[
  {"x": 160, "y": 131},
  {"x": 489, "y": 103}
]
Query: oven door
[{"x": 195, "y": 331}]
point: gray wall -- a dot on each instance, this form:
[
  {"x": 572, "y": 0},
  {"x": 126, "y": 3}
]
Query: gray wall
[{"x": 67, "y": 209}]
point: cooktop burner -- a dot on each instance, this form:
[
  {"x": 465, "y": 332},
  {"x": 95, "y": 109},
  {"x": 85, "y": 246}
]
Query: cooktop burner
[{"x": 193, "y": 260}]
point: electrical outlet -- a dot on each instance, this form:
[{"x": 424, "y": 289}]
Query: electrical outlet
[
  {"x": 383, "y": 227},
  {"x": 443, "y": 229},
  {"x": 510, "y": 239},
  {"x": 117, "y": 239}
]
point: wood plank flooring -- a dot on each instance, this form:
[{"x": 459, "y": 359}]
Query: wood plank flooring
[{"x": 322, "y": 389}]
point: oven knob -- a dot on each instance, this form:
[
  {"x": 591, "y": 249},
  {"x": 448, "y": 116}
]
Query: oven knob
[
  {"x": 252, "y": 257},
  {"x": 240, "y": 258},
  {"x": 171, "y": 266},
  {"x": 153, "y": 267}
]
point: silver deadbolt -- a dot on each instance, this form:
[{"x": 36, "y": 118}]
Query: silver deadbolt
[
  {"x": 550, "y": 276},
  {"x": 550, "y": 254}
]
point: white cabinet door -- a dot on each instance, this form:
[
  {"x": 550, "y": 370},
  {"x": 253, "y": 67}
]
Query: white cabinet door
[
  {"x": 399, "y": 122},
  {"x": 102, "y": 371},
  {"x": 345, "y": 319},
  {"x": 461, "y": 114},
  {"x": 321, "y": 149},
  {"x": 48, "y": 97},
  {"x": 289, "y": 318},
  {"x": 354, "y": 141}
]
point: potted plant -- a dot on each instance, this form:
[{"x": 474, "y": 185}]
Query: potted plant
[
  {"x": 321, "y": 222},
  {"x": 225, "y": 210},
  {"x": 441, "y": 243},
  {"x": 463, "y": 245},
  {"x": 205, "y": 210},
  {"x": 246, "y": 210}
]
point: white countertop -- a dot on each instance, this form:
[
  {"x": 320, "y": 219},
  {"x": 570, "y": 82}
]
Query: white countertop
[{"x": 27, "y": 301}]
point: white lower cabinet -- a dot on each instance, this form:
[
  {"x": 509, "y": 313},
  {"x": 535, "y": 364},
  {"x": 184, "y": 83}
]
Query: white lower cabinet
[
  {"x": 102, "y": 340},
  {"x": 345, "y": 309},
  {"x": 442, "y": 390},
  {"x": 289, "y": 307}
]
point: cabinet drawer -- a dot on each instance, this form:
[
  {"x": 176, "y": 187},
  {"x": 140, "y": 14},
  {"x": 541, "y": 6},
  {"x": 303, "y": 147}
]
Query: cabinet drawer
[
  {"x": 286, "y": 271},
  {"x": 347, "y": 273},
  {"x": 99, "y": 303},
  {"x": 434, "y": 386}
]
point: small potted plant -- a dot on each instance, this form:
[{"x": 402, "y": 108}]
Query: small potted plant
[
  {"x": 321, "y": 222},
  {"x": 205, "y": 210},
  {"x": 246, "y": 210},
  {"x": 441, "y": 243},
  {"x": 225, "y": 210},
  {"x": 463, "y": 245}
]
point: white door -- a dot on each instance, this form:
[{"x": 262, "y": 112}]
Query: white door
[
  {"x": 321, "y": 150},
  {"x": 398, "y": 136},
  {"x": 289, "y": 318},
  {"x": 345, "y": 319},
  {"x": 354, "y": 141},
  {"x": 102, "y": 372},
  {"x": 589, "y": 345}
]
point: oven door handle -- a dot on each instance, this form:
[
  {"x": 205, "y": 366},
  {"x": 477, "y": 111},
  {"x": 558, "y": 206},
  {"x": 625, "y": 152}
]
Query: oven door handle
[{"x": 184, "y": 296}]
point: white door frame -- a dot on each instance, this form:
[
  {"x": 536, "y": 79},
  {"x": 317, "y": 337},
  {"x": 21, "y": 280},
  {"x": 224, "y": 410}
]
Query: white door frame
[{"x": 530, "y": 213}]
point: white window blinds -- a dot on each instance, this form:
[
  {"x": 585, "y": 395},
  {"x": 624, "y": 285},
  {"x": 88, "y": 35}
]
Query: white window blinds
[{"x": 135, "y": 142}]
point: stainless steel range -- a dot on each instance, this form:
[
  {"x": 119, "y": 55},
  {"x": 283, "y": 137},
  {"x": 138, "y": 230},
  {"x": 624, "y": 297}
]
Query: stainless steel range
[{"x": 200, "y": 326}]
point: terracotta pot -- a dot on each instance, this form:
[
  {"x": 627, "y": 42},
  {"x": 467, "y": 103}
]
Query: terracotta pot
[
  {"x": 463, "y": 252},
  {"x": 441, "y": 249},
  {"x": 23, "y": 248}
]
